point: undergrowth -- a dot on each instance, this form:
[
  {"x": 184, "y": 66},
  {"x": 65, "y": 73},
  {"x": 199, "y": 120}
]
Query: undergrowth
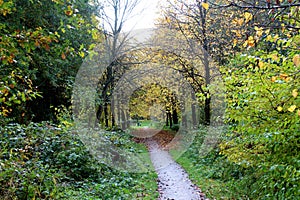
[
  {"x": 42, "y": 161},
  {"x": 213, "y": 173},
  {"x": 220, "y": 178}
]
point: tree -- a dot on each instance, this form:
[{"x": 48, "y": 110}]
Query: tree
[
  {"x": 263, "y": 110},
  {"x": 43, "y": 44},
  {"x": 195, "y": 24},
  {"x": 156, "y": 103},
  {"x": 114, "y": 15}
]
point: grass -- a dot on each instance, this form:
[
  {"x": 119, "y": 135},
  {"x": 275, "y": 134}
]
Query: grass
[
  {"x": 148, "y": 124},
  {"x": 212, "y": 173},
  {"x": 120, "y": 185},
  {"x": 199, "y": 174},
  {"x": 145, "y": 188}
]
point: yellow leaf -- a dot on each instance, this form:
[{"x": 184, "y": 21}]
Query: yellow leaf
[
  {"x": 251, "y": 41},
  {"x": 94, "y": 35},
  {"x": 248, "y": 16},
  {"x": 260, "y": 64},
  {"x": 295, "y": 93},
  {"x": 56, "y": 33},
  {"x": 240, "y": 21},
  {"x": 81, "y": 54},
  {"x": 274, "y": 57},
  {"x": 267, "y": 31},
  {"x": 269, "y": 38},
  {"x": 63, "y": 56},
  {"x": 282, "y": 27},
  {"x": 279, "y": 108},
  {"x": 205, "y": 5},
  {"x": 168, "y": 20},
  {"x": 237, "y": 32},
  {"x": 292, "y": 108},
  {"x": 296, "y": 60},
  {"x": 273, "y": 79},
  {"x": 69, "y": 12},
  {"x": 288, "y": 79},
  {"x": 259, "y": 31},
  {"x": 234, "y": 42},
  {"x": 256, "y": 28},
  {"x": 299, "y": 113},
  {"x": 283, "y": 76}
]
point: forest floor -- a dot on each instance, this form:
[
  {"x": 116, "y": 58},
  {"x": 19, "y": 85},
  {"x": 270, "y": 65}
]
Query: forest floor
[{"x": 173, "y": 181}]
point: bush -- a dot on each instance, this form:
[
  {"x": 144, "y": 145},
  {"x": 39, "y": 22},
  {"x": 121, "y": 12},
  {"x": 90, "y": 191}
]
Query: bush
[
  {"x": 263, "y": 107},
  {"x": 42, "y": 161},
  {"x": 37, "y": 157},
  {"x": 22, "y": 174}
]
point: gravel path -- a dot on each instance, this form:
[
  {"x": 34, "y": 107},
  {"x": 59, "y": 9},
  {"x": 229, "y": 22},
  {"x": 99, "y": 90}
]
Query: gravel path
[{"x": 173, "y": 181}]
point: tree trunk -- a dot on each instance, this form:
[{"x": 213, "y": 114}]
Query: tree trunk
[
  {"x": 113, "y": 122},
  {"x": 106, "y": 115},
  {"x": 207, "y": 111},
  {"x": 203, "y": 14},
  {"x": 127, "y": 119},
  {"x": 112, "y": 110},
  {"x": 123, "y": 120},
  {"x": 175, "y": 116},
  {"x": 170, "y": 119},
  {"x": 194, "y": 112},
  {"x": 167, "y": 118},
  {"x": 119, "y": 110}
]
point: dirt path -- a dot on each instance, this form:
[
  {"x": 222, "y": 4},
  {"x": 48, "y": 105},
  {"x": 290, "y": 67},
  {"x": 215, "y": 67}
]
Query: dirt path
[{"x": 173, "y": 181}]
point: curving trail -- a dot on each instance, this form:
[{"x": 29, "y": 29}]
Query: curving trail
[{"x": 173, "y": 181}]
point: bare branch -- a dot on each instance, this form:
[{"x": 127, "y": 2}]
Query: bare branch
[{"x": 249, "y": 6}]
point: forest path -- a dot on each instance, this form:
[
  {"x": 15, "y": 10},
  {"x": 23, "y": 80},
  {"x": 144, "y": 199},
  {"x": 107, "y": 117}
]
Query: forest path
[{"x": 173, "y": 181}]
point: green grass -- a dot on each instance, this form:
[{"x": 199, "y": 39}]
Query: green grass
[
  {"x": 199, "y": 174},
  {"x": 144, "y": 187},
  {"x": 120, "y": 185},
  {"x": 151, "y": 124},
  {"x": 147, "y": 123},
  {"x": 214, "y": 175}
]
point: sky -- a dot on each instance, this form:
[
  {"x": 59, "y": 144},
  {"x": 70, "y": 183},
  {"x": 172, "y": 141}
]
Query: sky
[{"x": 146, "y": 19}]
